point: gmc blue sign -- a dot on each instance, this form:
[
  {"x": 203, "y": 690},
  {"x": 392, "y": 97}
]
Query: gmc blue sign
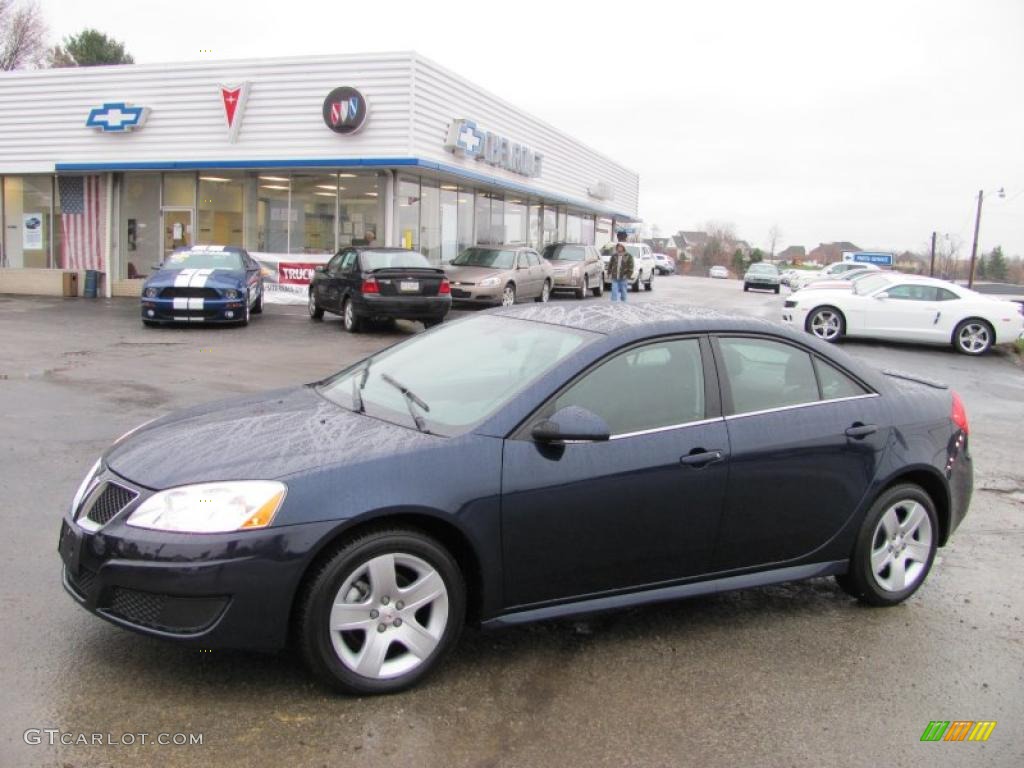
[{"x": 870, "y": 257}]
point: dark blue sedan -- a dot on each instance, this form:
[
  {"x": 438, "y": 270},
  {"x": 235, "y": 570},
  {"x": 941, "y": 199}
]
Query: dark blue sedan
[
  {"x": 204, "y": 284},
  {"x": 524, "y": 464}
]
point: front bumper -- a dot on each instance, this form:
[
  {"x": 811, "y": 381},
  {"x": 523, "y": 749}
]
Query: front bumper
[
  {"x": 763, "y": 285},
  {"x": 404, "y": 307},
  {"x": 183, "y": 310},
  {"x": 566, "y": 282},
  {"x": 477, "y": 294},
  {"x": 232, "y": 590}
]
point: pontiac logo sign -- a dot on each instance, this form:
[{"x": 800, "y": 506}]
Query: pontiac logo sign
[
  {"x": 234, "y": 97},
  {"x": 344, "y": 110},
  {"x": 467, "y": 140}
]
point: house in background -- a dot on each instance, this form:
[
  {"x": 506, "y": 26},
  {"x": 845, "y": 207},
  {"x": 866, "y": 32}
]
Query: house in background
[
  {"x": 687, "y": 243},
  {"x": 794, "y": 254},
  {"x": 826, "y": 253}
]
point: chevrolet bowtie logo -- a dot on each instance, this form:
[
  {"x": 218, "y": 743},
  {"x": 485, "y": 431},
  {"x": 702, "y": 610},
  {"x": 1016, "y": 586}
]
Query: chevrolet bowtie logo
[{"x": 116, "y": 117}]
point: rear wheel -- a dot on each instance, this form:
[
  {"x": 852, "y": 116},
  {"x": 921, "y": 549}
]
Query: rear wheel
[
  {"x": 776, "y": 290},
  {"x": 382, "y": 612},
  {"x": 316, "y": 312},
  {"x": 895, "y": 547},
  {"x": 584, "y": 289},
  {"x": 636, "y": 285},
  {"x": 599, "y": 288},
  {"x": 352, "y": 322},
  {"x": 827, "y": 323},
  {"x": 649, "y": 285},
  {"x": 973, "y": 337}
]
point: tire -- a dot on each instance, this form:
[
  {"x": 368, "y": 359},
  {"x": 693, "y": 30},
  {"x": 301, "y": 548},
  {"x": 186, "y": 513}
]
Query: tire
[
  {"x": 508, "y": 296},
  {"x": 973, "y": 337},
  {"x": 367, "y": 659},
  {"x": 827, "y": 323},
  {"x": 598, "y": 290},
  {"x": 902, "y": 520},
  {"x": 649, "y": 285},
  {"x": 746, "y": 287},
  {"x": 316, "y": 312},
  {"x": 584, "y": 289},
  {"x": 428, "y": 324},
  {"x": 257, "y": 308},
  {"x": 545, "y": 293},
  {"x": 349, "y": 319},
  {"x": 777, "y": 289},
  {"x": 635, "y": 287},
  {"x": 246, "y": 311},
  {"x": 151, "y": 323}
]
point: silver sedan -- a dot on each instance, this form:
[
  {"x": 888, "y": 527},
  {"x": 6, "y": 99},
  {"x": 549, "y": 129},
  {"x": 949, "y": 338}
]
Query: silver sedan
[{"x": 499, "y": 274}]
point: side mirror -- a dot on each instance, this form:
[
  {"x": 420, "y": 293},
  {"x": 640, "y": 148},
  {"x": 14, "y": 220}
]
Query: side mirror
[
  {"x": 572, "y": 423},
  {"x": 882, "y": 295},
  {"x": 321, "y": 268},
  {"x": 156, "y": 267}
]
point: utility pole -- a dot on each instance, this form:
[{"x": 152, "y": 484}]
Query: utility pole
[
  {"x": 931, "y": 269},
  {"x": 974, "y": 247}
]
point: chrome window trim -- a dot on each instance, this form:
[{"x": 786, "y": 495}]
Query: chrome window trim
[
  {"x": 654, "y": 430},
  {"x": 800, "y": 405}
]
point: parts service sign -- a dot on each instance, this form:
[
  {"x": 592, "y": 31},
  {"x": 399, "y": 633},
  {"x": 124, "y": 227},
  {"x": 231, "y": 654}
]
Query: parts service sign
[
  {"x": 467, "y": 140},
  {"x": 286, "y": 277}
]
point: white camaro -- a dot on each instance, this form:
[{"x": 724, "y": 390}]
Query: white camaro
[{"x": 906, "y": 308}]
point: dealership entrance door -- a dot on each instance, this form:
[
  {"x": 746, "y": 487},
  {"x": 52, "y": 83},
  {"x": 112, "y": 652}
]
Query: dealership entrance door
[{"x": 177, "y": 229}]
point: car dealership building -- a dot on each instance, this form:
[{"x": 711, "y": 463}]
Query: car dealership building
[{"x": 111, "y": 168}]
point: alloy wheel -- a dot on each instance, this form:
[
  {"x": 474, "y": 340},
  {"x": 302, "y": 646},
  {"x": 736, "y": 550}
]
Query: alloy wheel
[
  {"x": 545, "y": 292},
  {"x": 826, "y": 324},
  {"x": 974, "y": 338},
  {"x": 389, "y": 616},
  {"x": 312, "y": 304},
  {"x": 508, "y": 296},
  {"x": 901, "y": 546}
]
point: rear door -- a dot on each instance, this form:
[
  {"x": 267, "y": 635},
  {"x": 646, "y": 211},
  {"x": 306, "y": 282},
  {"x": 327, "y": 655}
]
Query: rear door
[
  {"x": 806, "y": 438},
  {"x": 322, "y": 287},
  {"x": 525, "y": 276}
]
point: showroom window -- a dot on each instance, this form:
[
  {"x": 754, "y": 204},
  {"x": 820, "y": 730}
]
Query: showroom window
[
  {"x": 587, "y": 227},
  {"x": 267, "y": 213},
  {"x": 573, "y": 229},
  {"x": 359, "y": 209},
  {"x": 466, "y": 217},
  {"x": 430, "y": 221},
  {"x": 220, "y": 209},
  {"x": 28, "y": 222},
  {"x": 550, "y": 225},
  {"x": 139, "y": 225},
  {"x": 449, "y": 222},
  {"x": 515, "y": 221},
  {"x": 314, "y": 199},
  {"x": 497, "y": 219},
  {"x": 408, "y": 212},
  {"x": 483, "y": 219},
  {"x": 535, "y": 235}
]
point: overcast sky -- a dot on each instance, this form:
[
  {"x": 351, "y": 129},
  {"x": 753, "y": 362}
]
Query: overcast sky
[{"x": 875, "y": 122}]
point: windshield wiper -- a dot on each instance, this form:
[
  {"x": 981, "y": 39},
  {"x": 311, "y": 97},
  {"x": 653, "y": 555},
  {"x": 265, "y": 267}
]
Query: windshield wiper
[
  {"x": 357, "y": 389},
  {"x": 410, "y": 400}
]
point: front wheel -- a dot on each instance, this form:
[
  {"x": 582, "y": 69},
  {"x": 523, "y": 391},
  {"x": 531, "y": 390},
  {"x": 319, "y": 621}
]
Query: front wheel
[
  {"x": 508, "y": 296},
  {"x": 635, "y": 287},
  {"x": 257, "y": 308},
  {"x": 827, "y": 323},
  {"x": 599, "y": 288},
  {"x": 649, "y": 285},
  {"x": 895, "y": 547},
  {"x": 382, "y": 612},
  {"x": 973, "y": 337},
  {"x": 245, "y": 312},
  {"x": 584, "y": 289},
  {"x": 545, "y": 293},
  {"x": 746, "y": 287},
  {"x": 316, "y": 312}
]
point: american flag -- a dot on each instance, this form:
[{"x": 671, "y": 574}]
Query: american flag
[{"x": 81, "y": 218}]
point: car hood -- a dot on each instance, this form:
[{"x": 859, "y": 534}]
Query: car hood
[
  {"x": 473, "y": 274},
  {"x": 258, "y": 437},
  {"x": 217, "y": 278}
]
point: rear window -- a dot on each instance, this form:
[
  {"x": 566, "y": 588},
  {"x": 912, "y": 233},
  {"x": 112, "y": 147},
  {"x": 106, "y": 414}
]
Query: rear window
[
  {"x": 390, "y": 259},
  {"x": 565, "y": 252},
  {"x": 485, "y": 257}
]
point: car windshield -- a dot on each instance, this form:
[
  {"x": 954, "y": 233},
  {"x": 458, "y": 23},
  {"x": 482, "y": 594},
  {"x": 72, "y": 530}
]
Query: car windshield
[
  {"x": 768, "y": 269},
  {"x": 870, "y": 284},
  {"x": 203, "y": 260},
  {"x": 485, "y": 257},
  {"x": 464, "y": 371},
  {"x": 389, "y": 259},
  {"x": 565, "y": 253}
]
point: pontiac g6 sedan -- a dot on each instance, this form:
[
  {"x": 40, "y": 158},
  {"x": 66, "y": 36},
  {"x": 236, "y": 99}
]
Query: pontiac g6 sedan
[{"x": 522, "y": 464}]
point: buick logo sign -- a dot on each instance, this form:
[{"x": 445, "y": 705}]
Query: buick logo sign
[{"x": 344, "y": 110}]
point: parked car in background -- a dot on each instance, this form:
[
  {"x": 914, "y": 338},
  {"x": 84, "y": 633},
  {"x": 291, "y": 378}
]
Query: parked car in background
[
  {"x": 830, "y": 272},
  {"x": 204, "y": 284},
  {"x": 576, "y": 267},
  {"x": 786, "y": 275},
  {"x": 515, "y": 466},
  {"x": 643, "y": 265},
  {"x": 899, "y": 307},
  {"x": 764, "y": 277},
  {"x": 368, "y": 283},
  {"x": 719, "y": 272},
  {"x": 845, "y": 280},
  {"x": 500, "y": 274},
  {"x": 664, "y": 264}
]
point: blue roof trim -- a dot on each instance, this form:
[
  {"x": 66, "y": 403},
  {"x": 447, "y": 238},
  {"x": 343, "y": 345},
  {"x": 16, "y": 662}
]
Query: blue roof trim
[{"x": 368, "y": 162}]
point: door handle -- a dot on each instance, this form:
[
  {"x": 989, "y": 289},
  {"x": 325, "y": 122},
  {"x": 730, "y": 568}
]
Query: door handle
[
  {"x": 699, "y": 458},
  {"x": 859, "y": 431}
]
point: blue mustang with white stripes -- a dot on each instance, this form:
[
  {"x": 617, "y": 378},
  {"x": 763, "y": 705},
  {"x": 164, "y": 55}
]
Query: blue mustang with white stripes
[{"x": 204, "y": 284}]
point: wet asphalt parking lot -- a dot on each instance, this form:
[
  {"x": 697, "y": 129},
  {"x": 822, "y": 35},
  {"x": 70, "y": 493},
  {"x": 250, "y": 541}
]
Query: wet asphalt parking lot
[{"x": 790, "y": 675}]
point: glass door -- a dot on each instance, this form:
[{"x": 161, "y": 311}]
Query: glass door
[{"x": 177, "y": 229}]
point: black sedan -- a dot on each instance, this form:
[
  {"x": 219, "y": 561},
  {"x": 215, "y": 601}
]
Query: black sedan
[
  {"x": 522, "y": 464},
  {"x": 370, "y": 283}
]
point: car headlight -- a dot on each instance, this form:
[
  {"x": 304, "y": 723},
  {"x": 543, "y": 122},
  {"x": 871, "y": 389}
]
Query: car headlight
[
  {"x": 151, "y": 293},
  {"x": 84, "y": 487},
  {"x": 211, "y": 507},
  {"x": 231, "y": 294},
  {"x": 489, "y": 281},
  {"x": 575, "y": 272}
]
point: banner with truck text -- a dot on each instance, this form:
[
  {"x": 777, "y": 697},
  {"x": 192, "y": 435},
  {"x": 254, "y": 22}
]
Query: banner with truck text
[{"x": 286, "y": 276}]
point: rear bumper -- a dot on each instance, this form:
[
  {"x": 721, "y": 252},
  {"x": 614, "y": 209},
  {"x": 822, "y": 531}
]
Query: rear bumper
[
  {"x": 403, "y": 307},
  {"x": 960, "y": 475}
]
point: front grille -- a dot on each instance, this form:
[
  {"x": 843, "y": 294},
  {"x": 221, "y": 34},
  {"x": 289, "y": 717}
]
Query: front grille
[
  {"x": 186, "y": 292},
  {"x": 137, "y": 607},
  {"x": 108, "y": 502}
]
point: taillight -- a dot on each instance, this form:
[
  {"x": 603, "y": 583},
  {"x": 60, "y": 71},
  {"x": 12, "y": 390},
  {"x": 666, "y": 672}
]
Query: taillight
[
  {"x": 446, "y": 287},
  {"x": 370, "y": 285},
  {"x": 959, "y": 414}
]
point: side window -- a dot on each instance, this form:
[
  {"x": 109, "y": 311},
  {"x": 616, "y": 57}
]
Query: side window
[
  {"x": 658, "y": 385},
  {"x": 521, "y": 261},
  {"x": 349, "y": 259},
  {"x": 763, "y": 374},
  {"x": 533, "y": 258},
  {"x": 946, "y": 295},
  {"x": 334, "y": 265},
  {"x": 912, "y": 292},
  {"x": 834, "y": 383}
]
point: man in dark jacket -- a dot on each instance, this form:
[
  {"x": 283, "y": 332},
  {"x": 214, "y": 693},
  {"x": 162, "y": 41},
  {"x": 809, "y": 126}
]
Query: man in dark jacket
[{"x": 620, "y": 270}]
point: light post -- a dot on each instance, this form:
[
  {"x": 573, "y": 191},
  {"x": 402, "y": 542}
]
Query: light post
[{"x": 977, "y": 225}]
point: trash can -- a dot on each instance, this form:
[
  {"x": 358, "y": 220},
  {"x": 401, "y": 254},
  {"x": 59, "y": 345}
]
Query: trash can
[
  {"x": 91, "y": 281},
  {"x": 70, "y": 284}
]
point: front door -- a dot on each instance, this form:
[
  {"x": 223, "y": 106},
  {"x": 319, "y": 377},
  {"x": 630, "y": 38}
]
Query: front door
[
  {"x": 908, "y": 311},
  {"x": 177, "y": 229},
  {"x": 642, "y": 508}
]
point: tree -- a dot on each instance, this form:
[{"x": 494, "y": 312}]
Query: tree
[
  {"x": 756, "y": 255},
  {"x": 738, "y": 260},
  {"x": 89, "y": 48},
  {"x": 996, "y": 267},
  {"x": 980, "y": 269},
  {"x": 22, "y": 35},
  {"x": 719, "y": 244},
  {"x": 774, "y": 235}
]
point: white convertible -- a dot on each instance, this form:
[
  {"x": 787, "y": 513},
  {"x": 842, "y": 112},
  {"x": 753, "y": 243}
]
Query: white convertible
[{"x": 906, "y": 308}]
